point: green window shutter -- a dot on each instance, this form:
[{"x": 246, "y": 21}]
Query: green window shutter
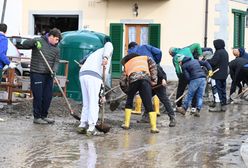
[
  {"x": 239, "y": 28},
  {"x": 236, "y": 31},
  {"x": 154, "y": 35},
  {"x": 116, "y": 34},
  {"x": 242, "y": 31}
]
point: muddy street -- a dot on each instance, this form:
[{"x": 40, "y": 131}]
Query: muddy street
[{"x": 213, "y": 140}]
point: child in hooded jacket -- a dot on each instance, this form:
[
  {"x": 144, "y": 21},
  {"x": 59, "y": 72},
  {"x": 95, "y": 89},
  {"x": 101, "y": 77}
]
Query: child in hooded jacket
[{"x": 196, "y": 76}]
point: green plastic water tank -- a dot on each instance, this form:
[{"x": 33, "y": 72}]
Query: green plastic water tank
[{"x": 74, "y": 46}]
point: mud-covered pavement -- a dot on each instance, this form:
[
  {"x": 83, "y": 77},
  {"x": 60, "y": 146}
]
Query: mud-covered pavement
[{"x": 213, "y": 140}]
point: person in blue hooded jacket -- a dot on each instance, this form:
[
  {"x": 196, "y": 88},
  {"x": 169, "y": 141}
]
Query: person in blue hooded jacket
[{"x": 148, "y": 50}]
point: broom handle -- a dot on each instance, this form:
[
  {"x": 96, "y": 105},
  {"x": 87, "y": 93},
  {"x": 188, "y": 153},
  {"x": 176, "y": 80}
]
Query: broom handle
[
  {"x": 172, "y": 93},
  {"x": 186, "y": 91},
  {"x": 240, "y": 94},
  {"x": 56, "y": 80},
  {"x": 103, "y": 104}
]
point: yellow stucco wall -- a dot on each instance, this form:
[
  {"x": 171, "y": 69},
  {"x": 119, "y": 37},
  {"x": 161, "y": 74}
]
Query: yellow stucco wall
[{"x": 182, "y": 21}]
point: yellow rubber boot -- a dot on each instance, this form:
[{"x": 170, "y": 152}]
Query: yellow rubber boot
[
  {"x": 127, "y": 119},
  {"x": 153, "y": 122},
  {"x": 156, "y": 105},
  {"x": 138, "y": 103}
]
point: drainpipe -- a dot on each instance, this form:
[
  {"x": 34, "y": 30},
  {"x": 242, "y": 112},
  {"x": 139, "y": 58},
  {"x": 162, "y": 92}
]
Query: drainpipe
[
  {"x": 206, "y": 25},
  {"x": 3, "y": 11}
]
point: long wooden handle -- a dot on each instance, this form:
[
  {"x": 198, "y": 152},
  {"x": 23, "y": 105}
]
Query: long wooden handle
[
  {"x": 56, "y": 80},
  {"x": 103, "y": 104},
  {"x": 181, "y": 96},
  {"x": 172, "y": 93},
  {"x": 239, "y": 95}
]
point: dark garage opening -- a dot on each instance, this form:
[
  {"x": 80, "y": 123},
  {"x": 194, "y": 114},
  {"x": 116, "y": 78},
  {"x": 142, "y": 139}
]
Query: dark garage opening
[{"x": 43, "y": 23}]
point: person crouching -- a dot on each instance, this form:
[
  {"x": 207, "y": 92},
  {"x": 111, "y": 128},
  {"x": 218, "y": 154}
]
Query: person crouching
[
  {"x": 197, "y": 82},
  {"x": 141, "y": 73}
]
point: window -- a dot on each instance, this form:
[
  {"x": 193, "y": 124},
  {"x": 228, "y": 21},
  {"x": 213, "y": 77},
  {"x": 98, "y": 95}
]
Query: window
[
  {"x": 142, "y": 34},
  {"x": 239, "y": 28}
]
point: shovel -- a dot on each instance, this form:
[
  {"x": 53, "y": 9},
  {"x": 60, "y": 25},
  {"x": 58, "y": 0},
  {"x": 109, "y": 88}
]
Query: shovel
[
  {"x": 182, "y": 96},
  {"x": 103, "y": 127},
  {"x": 60, "y": 88}
]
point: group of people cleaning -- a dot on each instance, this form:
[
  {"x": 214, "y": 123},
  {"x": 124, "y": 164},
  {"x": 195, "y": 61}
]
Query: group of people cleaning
[{"x": 142, "y": 74}]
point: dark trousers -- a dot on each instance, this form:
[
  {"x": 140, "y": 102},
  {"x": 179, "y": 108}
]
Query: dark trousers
[
  {"x": 42, "y": 89},
  {"x": 182, "y": 84},
  {"x": 145, "y": 92},
  {"x": 242, "y": 77},
  {"x": 161, "y": 93},
  {"x": 221, "y": 89}
]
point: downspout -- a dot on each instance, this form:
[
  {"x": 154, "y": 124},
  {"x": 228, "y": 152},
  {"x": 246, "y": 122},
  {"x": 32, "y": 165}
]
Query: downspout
[
  {"x": 3, "y": 11},
  {"x": 206, "y": 25}
]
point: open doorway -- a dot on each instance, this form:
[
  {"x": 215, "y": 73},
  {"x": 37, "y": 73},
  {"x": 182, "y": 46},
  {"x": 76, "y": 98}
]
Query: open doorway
[{"x": 43, "y": 23}]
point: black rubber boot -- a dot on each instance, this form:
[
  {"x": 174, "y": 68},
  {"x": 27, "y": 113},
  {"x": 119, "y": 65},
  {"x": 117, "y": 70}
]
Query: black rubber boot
[
  {"x": 144, "y": 119},
  {"x": 217, "y": 108},
  {"x": 172, "y": 122}
]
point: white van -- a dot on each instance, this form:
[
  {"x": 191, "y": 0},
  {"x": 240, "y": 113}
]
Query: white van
[
  {"x": 24, "y": 53},
  {"x": 14, "y": 55}
]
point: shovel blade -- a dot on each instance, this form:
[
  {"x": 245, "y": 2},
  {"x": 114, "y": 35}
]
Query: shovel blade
[{"x": 103, "y": 128}]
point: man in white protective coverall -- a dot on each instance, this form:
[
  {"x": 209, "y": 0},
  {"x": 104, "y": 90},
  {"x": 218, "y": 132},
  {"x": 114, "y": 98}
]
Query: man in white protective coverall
[{"x": 90, "y": 76}]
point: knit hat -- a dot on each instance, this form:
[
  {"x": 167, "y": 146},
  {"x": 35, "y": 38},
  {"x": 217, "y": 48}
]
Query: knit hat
[
  {"x": 132, "y": 44},
  {"x": 180, "y": 57},
  {"x": 207, "y": 55}
]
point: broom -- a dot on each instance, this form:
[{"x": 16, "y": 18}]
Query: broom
[
  {"x": 60, "y": 88},
  {"x": 102, "y": 127}
]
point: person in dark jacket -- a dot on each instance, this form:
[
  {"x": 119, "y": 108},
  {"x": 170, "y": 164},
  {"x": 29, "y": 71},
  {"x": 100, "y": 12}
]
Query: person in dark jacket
[
  {"x": 238, "y": 72},
  {"x": 220, "y": 60},
  {"x": 141, "y": 74},
  {"x": 40, "y": 75},
  {"x": 162, "y": 95},
  {"x": 160, "y": 91},
  {"x": 196, "y": 76},
  {"x": 240, "y": 52}
]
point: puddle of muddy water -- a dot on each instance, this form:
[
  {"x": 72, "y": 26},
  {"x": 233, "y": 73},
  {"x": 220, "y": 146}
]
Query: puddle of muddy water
[{"x": 213, "y": 140}]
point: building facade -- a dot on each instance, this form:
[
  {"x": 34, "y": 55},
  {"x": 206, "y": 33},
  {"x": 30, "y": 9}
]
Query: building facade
[{"x": 162, "y": 23}]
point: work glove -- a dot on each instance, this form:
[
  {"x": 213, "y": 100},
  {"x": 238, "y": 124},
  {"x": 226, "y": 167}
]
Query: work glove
[
  {"x": 38, "y": 45},
  {"x": 164, "y": 83},
  {"x": 12, "y": 65},
  {"x": 5, "y": 67},
  {"x": 53, "y": 74},
  {"x": 210, "y": 73}
]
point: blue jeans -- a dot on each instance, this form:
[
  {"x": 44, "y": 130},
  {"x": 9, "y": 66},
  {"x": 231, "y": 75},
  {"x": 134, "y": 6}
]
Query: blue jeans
[{"x": 196, "y": 87}]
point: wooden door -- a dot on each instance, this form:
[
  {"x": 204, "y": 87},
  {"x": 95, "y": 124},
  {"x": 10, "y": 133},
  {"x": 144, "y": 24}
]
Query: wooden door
[{"x": 136, "y": 32}]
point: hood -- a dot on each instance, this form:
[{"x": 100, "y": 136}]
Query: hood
[
  {"x": 186, "y": 59},
  {"x": 219, "y": 44},
  {"x": 241, "y": 51}
]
